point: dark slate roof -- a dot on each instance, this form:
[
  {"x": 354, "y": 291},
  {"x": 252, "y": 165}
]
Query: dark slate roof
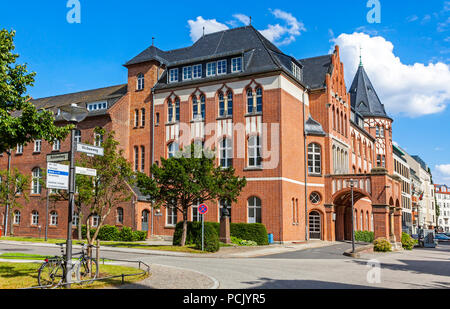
[
  {"x": 312, "y": 127},
  {"x": 110, "y": 94},
  {"x": 259, "y": 54},
  {"x": 421, "y": 162},
  {"x": 364, "y": 98},
  {"x": 315, "y": 70}
]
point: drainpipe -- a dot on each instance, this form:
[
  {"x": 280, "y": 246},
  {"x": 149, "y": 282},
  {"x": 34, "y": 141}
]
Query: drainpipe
[
  {"x": 306, "y": 166},
  {"x": 7, "y": 200},
  {"x": 153, "y": 146}
]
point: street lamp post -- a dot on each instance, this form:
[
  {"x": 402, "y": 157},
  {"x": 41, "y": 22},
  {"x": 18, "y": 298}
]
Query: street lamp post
[
  {"x": 353, "y": 216},
  {"x": 72, "y": 114}
]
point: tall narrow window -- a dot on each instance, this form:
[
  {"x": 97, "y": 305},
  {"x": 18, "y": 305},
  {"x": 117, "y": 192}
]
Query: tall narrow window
[
  {"x": 136, "y": 158},
  {"x": 226, "y": 153},
  {"x": 197, "y": 71},
  {"x": 254, "y": 151},
  {"x": 249, "y": 101},
  {"x": 196, "y": 216},
  {"x": 98, "y": 139},
  {"x": 143, "y": 117},
  {"x": 171, "y": 215},
  {"x": 140, "y": 81},
  {"x": 56, "y": 145},
  {"x": 54, "y": 218},
  {"x": 198, "y": 108},
  {"x": 259, "y": 100},
  {"x": 177, "y": 109},
  {"x": 16, "y": 217},
  {"x": 77, "y": 136},
  {"x": 254, "y": 210},
  {"x": 236, "y": 64},
  {"x": 119, "y": 215},
  {"x": 187, "y": 73},
  {"x": 36, "y": 181},
  {"x": 221, "y": 67},
  {"x": 170, "y": 111},
  {"x": 19, "y": 149},
  {"x": 37, "y": 145},
  {"x": 211, "y": 69},
  {"x": 314, "y": 159},
  {"x": 136, "y": 118},
  {"x": 142, "y": 158},
  {"x": 34, "y": 218},
  {"x": 173, "y": 75}
]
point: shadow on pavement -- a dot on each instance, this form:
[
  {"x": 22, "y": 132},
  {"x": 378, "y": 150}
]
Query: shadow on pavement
[{"x": 267, "y": 283}]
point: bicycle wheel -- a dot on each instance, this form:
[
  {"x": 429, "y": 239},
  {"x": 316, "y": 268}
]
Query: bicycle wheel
[
  {"x": 87, "y": 270},
  {"x": 51, "y": 274}
]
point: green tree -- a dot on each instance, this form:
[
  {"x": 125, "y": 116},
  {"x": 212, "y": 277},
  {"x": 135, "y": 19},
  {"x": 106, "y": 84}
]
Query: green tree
[
  {"x": 20, "y": 121},
  {"x": 188, "y": 178},
  {"x": 13, "y": 186},
  {"x": 111, "y": 186}
]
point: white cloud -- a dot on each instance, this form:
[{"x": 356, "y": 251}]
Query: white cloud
[
  {"x": 442, "y": 174},
  {"x": 277, "y": 34},
  {"x": 412, "y": 90},
  {"x": 210, "y": 26},
  {"x": 412, "y": 18},
  {"x": 283, "y": 35}
]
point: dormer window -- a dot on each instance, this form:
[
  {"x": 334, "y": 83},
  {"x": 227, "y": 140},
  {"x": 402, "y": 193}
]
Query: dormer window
[
  {"x": 187, "y": 73},
  {"x": 97, "y": 106},
  {"x": 173, "y": 75},
  {"x": 221, "y": 67},
  {"x": 197, "y": 71},
  {"x": 296, "y": 71},
  {"x": 236, "y": 65},
  {"x": 140, "y": 81},
  {"x": 211, "y": 69}
]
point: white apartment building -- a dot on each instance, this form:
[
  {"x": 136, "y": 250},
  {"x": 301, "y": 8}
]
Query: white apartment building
[
  {"x": 443, "y": 201},
  {"x": 402, "y": 170}
]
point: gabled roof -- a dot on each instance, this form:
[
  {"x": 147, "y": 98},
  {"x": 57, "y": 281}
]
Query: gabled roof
[
  {"x": 259, "y": 54},
  {"x": 315, "y": 70},
  {"x": 110, "y": 94},
  {"x": 364, "y": 98}
]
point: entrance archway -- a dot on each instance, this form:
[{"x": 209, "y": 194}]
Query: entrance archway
[{"x": 315, "y": 225}]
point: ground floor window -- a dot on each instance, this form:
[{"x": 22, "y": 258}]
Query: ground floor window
[
  {"x": 54, "y": 218},
  {"x": 254, "y": 210},
  {"x": 171, "y": 215}
]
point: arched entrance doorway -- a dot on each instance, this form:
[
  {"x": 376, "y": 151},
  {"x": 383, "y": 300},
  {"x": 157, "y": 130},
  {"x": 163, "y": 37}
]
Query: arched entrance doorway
[
  {"x": 144, "y": 220},
  {"x": 343, "y": 210},
  {"x": 315, "y": 225}
]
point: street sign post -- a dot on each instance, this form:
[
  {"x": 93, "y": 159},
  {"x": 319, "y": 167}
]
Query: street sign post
[
  {"x": 58, "y": 157},
  {"x": 57, "y": 176},
  {"x": 89, "y": 149},
  {"x": 203, "y": 209},
  {"x": 85, "y": 171}
]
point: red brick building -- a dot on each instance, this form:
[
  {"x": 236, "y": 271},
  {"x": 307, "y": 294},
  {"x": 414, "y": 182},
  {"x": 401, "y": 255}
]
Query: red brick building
[{"x": 288, "y": 125}]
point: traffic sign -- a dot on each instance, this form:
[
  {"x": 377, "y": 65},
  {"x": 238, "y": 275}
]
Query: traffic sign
[
  {"x": 57, "y": 176},
  {"x": 85, "y": 171},
  {"x": 89, "y": 149},
  {"x": 58, "y": 157},
  {"x": 202, "y": 209}
]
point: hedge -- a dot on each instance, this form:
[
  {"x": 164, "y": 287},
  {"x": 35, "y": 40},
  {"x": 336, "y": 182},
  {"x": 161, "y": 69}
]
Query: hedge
[
  {"x": 246, "y": 231},
  {"x": 364, "y": 236},
  {"x": 382, "y": 245},
  {"x": 113, "y": 233}
]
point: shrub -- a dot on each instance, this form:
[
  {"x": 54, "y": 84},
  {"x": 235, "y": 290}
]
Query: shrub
[
  {"x": 250, "y": 231},
  {"x": 364, "y": 236},
  {"x": 112, "y": 233},
  {"x": 243, "y": 242},
  {"x": 407, "y": 241},
  {"x": 382, "y": 245},
  {"x": 108, "y": 232},
  {"x": 126, "y": 234},
  {"x": 211, "y": 239}
]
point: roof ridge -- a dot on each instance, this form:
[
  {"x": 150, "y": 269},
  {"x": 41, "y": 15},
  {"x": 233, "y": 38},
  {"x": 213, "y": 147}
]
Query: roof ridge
[{"x": 78, "y": 92}]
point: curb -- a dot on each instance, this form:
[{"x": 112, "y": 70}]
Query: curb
[
  {"x": 216, "y": 282},
  {"x": 358, "y": 251}
]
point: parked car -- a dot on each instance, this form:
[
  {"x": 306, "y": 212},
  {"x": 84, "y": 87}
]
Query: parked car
[{"x": 441, "y": 237}]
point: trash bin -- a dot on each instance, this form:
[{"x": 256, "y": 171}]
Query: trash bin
[{"x": 270, "y": 236}]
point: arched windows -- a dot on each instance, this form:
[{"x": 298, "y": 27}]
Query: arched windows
[
  {"x": 254, "y": 210},
  {"x": 172, "y": 149},
  {"x": 36, "y": 185},
  {"x": 173, "y": 110},
  {"x": 198, "y": 107},
  {"x": 314, "y": 159},
  {"x": 225, "y": 104},
  {"x": 254, "y": 100}
]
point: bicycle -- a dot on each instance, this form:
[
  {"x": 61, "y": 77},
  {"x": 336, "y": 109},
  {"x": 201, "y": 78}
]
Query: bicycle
[{"x": 52, "y": 272}]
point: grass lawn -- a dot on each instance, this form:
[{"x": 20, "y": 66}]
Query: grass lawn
[
  {"x": 24, "y": 275},
  {"x": 118, "y": 244}
]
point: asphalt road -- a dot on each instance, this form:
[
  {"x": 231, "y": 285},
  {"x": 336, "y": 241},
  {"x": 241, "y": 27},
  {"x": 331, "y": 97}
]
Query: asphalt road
[{"x": 313, "y": 268}]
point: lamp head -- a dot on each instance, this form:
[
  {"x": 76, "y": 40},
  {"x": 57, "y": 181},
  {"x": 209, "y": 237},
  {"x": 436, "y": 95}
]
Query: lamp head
[{"x": 73, "y": 113}]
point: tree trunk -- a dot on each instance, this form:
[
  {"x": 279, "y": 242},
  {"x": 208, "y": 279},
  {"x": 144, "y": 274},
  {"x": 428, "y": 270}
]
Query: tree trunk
[{"x": 184, "y": 235}]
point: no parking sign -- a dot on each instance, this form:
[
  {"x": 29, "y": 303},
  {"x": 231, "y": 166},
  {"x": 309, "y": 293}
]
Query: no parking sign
[{"x": 202, "y": 209}]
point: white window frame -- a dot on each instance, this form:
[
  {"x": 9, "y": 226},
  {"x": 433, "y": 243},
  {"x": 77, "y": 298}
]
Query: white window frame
[
  {"x": 211, "y": 69},
  {"x": 252, "y": 204},
  {"x": 53, "y": 218},
  {"x": 140, "y": 82},
  {"x": 36, "y": 186},
  {"x": 195, "y": 215},
  {"x": 78, "y": 136},
  {"x": 16, "y": 217},
  {"x": 95, "y": 220},
  {"x": 37, "y": 145},
  {"x": 19, "y": 149},
  {"x": 75, "y": 219},
  {"x": 34, "y": 217},
  {"x": 171, "y": 216},
  {"x": 56, "y": 145},
  {"x": 253, "y": 148},
  {"x": 173, "y": 75},
  {"x": 171, "y": 152},
  {"x": 226, "y": 152},
  {"x": 220, "y": 66},
  {"x": 197, "y": 71},
  {"x": 314, "y": 152},
  {"x": 236, "y": 64},
  {"x": 187, "y": 73},
  {"x": 98, "y": 139}
]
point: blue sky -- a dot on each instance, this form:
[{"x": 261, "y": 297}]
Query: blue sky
[{"x": 74, "y": 57}]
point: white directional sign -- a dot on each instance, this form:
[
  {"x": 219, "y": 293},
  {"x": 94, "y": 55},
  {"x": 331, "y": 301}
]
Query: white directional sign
[
  {"x": 89, "y": 149},
  {"x": 85, "y": 171},
  {"x": 57, "y": 176},
  {"x": 58, "y": 157}
]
